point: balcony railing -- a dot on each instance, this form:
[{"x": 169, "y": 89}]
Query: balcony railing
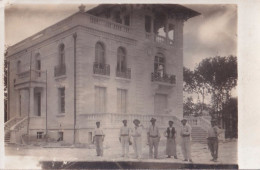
[
  {"x": 164, "y": 78},
  {"x": 109, "y": 24},
  {"x": 34, "y": 76},
  {"x": 124, "y": 74},
  {"x": 159, "y": 39},
  {"x": 102, "y": 69},
  {"x": 60, "y": 70}
]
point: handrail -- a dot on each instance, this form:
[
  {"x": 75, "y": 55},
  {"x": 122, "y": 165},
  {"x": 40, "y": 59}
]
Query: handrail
[
  {"x": 10, "y": 123},
  {"x": 16, "y": 127}
]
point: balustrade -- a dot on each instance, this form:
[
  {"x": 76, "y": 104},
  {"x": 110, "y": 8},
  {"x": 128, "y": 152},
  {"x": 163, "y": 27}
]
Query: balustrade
[
  {"x": 165, "y": 78},
  {"x": 102, "y": 69},
  {"x": 60, "y": 70},
  {"x": 124, "y": 74}
]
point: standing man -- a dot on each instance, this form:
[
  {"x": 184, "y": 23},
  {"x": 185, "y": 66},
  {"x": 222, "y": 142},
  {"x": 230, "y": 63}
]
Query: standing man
[
  {"x": 213, "y": 133},
  {"x": 98, "y": 139},
  {"x": 153, "y": 137},
  {"x": 186, "y": 136},
  {"x": 170, "y": 134},
  {"x": 136, "y": 133},
  {"x": 124, "y": 138}
]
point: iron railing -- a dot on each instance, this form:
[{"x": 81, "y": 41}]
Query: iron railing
[{"x": 165, "y": 78}]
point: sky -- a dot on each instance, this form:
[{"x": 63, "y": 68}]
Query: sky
[{"x": 212, "y": 33}]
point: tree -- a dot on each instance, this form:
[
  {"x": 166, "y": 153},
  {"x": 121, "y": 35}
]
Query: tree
[{"x": 219, "y": 77}]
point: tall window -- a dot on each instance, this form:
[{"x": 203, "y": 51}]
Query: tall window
[
  {"x": 159, "y": 64},
  {"x": 127, "y": 20},
  {"x": 62, "y": 99},
  {"x": 18, "y": 66},
  {"x": 121, "y": 101},
  {"x": 160, "y": 103},
  {"x": 100, "y": 55},
  {"x": 100, "y": 99},
  {"x": 121, "y": 60},
  {"x": 148, "y": 23},
  {"x": 171, "y": 32},
  {"x": 62, "y": 54}
]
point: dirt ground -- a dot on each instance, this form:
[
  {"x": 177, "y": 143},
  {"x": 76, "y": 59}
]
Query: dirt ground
[{"x": 28, "y": 157}]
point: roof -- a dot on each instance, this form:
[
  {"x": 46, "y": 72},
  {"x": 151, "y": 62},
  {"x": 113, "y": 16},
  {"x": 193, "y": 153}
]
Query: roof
[{"x": 174, "y": 8}]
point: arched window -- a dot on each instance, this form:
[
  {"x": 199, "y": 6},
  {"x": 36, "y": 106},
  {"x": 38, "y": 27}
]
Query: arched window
[
  {"x": 121, "y": 60},
  {"x": 159, "y": 64},
  {"x": 100, "y": 55},
  {"x": 62, "y": 54},
  {"x": 18, "y": 66}
]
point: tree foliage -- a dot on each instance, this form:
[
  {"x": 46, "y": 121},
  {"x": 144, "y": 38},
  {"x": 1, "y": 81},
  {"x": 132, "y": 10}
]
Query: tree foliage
[{"x": 216, "y": 76}]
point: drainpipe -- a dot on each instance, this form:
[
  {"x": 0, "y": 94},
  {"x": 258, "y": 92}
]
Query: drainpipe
[
  {"x": 46, "y": 130},
  {"x": 29, "y": 95},
  {"x": 75, "y": 81}
]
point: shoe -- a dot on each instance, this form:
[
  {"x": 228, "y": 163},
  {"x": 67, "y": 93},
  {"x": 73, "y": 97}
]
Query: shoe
[
  {"x": 190, "y": 160},
  {"x": 175, "y": 157},
  {"x": 168, "y": 156},
  {"x": 212, "y": 160},
  {"x": 185, "y": 160}
]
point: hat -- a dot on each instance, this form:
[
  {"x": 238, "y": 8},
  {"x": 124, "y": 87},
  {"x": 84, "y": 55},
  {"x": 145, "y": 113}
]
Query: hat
[
  {"x": 184, "y": 120},
  {"x": 170, "y": 121},
  {"x": 137, "y": 121},
  {"x": 124, "y": 120},
  {"x": 98, "y": 122},
  {"x": 153, "y": 120}
]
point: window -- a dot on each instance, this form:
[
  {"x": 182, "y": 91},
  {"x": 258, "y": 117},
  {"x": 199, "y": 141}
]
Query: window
[
  {"x": 127, "y": 20},
  {"x": 121, "y": 101},
  {"x": 159, "y": 64},
  {"x": 62, "y": 54},
  {"x": 38, "y": 100},
  {"x": 171, "y": 32},
  {"x": 18, "y": 66},
  {"x": 39, "y": 135},
  {"x": 160, "y": 103},
  {"x": 62, "y": 99},
  {"x": 100, "y": 99},
  {"x": 148, "y": 23},
  {"x": 100, "y": 55},
  {"x": 121, "y": 60}
]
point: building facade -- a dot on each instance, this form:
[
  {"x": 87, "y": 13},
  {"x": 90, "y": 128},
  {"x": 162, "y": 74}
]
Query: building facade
[{"x": 110, "y": 63}]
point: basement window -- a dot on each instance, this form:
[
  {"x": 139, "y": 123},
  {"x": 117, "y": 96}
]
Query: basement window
[
  {"x": 60, "y": 136},
  {"x": 39, "y": 135}
]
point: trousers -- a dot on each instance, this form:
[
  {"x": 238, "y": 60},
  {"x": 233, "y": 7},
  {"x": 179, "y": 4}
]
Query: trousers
[
  {"x": 99, "y": 145},
  {"x": 185, "y": 146},
  {"x": 153, "y": 143},
  {"x": 125, "y": 145},
  {"x": 213, "y": 147},
  {"x": 137, "y": 144}
]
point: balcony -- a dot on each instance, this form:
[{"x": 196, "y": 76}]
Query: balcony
[
  {"x": 34, "y": 76},
  {"x": 165, "y": 78},
  {"x": 60, "y": 70},
  {"x": 108, "y": 24},
  {"x": 101, "y": 69},
  {"x": 124, "y": 74},
  {"x": 159, "y": 39}
]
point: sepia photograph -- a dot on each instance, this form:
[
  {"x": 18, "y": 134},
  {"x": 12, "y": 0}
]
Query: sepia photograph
[{"x": 121, "y": 86}]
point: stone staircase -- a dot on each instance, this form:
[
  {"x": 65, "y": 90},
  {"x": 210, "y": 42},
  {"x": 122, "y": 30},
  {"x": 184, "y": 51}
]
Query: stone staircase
[
  {"x": 7, "y": 127},
  {"x": 198, "y": 135},
  {"x": 7, "y": 137},
  {"x": 199, "y": 127}
]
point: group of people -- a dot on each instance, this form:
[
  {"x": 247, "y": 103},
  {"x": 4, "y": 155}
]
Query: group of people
[{"x": 133, "y": 136}]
